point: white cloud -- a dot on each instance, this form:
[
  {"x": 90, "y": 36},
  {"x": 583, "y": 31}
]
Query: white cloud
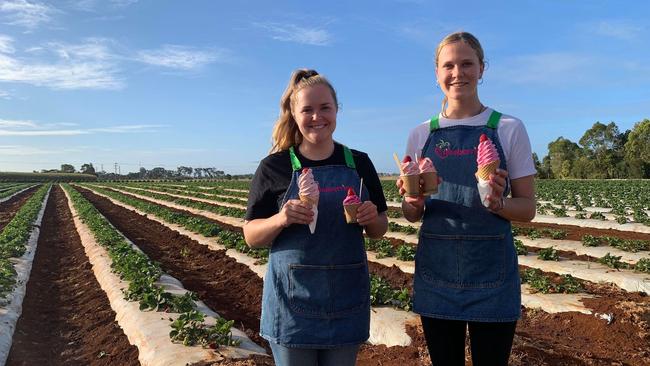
[
  {"x": 6, "y": 44},
  {"x": 89, "y": 65},
  {"x": 21, "y": 150},
  {"x": 95, "y": 5},
  {"x": 12, "y": 124},
  {"x": 43, "y": 133},
  {"x": 180, "y": 57},
  {"x": 619, "y": 29},
  {"x": 26, "y": 14},
  {"x": 30, "y": 128},
  {"x": 297, "y": 34},
  {"x": 123, "y": 3},
  {"x": 5, "y": 95},
  {"x": 93, "y": 49}
]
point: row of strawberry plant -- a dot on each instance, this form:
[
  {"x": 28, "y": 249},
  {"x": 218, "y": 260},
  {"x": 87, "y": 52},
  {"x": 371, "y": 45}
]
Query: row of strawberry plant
[
  {"x": 620, "y": 215},
  {"x": 407, "y": 229},
  {"x": 12, "y": 190},
  {"x": 201, "y": 189},
  {"x": 211, "y": 207},
  {"x": 539, "y": 282},
  {"x": 552, "y": 254},
  {"x": 384, "y": 248},
  {"x": 595, "y": 193},
  {"x": 141, "y": 273},
  {"x": 628, "y": 245},
  {"x": 208, "y": 228},
  {"x": 381, "y": 293},
  {"x": 14, "y": 238},
  {"x": 184, "y": 192},
  {"x": 228, "y": 184}
]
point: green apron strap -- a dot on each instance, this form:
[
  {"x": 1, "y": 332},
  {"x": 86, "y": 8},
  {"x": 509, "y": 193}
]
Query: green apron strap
[
  {"x": 434, "y": 124},
  {"x": 295, "y": 163},
  {"x": 349, "y": 160},
  {"x": 494, "y": 119}
]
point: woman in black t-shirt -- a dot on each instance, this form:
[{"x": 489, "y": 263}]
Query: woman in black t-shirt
[{"x": 316, "y": 300}]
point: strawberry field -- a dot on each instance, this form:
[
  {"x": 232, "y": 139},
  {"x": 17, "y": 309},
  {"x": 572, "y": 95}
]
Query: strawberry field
[{"x": 157, "y": 273}]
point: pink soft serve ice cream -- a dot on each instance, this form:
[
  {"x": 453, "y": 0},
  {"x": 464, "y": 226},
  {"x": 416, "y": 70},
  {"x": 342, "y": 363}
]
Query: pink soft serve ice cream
[
  {"x": 351, "y": 198},
  {"x": 351, "y": 204},
  {"x": 409, "y": 167},
  {"x": 426, "y": 166},
  {"x": 308, "y": 187},
  {"x": 487, "y": 158}
]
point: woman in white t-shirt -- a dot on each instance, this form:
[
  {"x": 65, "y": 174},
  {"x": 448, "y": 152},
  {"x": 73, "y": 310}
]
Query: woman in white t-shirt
[{"x": 466, "y": 276}]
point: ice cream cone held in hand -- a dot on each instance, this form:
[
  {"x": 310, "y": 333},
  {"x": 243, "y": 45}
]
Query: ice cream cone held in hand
[
  {"x": 410, "y": 177},
  {"x": 429, "y": 175},
  {"x": 309, "y": 193},
  {"x": 351, "y": 204},
  {"x": 487, "y": 159}
]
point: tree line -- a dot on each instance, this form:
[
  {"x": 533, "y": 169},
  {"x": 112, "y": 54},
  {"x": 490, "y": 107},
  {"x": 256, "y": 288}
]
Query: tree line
[
  {"x": 603, "y": 152},
  {"x": 182, "y": 172}
]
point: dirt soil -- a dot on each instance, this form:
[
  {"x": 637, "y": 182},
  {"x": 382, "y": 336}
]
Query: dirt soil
[
  {"x": 9, "y": 208},
  {"x": 575, "y": 232},
  {"x": 541, "y": 338},
  {"x": 66, "y": 318}
]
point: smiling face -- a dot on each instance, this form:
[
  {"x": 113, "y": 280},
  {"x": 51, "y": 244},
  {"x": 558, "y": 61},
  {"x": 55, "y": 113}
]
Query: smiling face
[
  {"x": 458, "y": 71},
  {"x": 314, "y": 110}
]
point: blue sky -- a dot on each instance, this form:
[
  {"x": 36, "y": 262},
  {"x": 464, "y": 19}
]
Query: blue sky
[{"x": 168, "y": 83}]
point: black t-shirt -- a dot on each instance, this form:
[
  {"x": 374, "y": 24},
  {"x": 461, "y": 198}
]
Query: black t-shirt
[{"x": 273, "y": 177}]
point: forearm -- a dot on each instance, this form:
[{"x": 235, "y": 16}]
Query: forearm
[
  {"x": 261, "y": 232},
  {"x": 377, "y": 228},
  {"x": 518, "y": 209}
]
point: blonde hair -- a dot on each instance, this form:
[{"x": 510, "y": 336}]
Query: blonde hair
[
  {"x": 285, "y": 130},
  {"x": 468, "y": 39}
]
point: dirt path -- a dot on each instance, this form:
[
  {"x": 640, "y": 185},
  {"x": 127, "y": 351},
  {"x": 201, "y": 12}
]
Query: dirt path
[
  {"x": 9, "y": 208},
  {"x": 66, "y": 317}
]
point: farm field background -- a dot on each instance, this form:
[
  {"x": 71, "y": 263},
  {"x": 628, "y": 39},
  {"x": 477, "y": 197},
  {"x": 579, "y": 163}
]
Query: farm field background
[{"x": 118, "y": 260}]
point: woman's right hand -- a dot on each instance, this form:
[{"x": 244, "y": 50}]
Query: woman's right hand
[
  {"x": 417, "y": 202},
  {"x": 295, "y": 212}
]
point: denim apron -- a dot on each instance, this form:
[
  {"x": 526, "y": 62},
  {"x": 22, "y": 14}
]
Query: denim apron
[
  {"x": 317, "y": 289},
  {"x": 466, "y": 265}
]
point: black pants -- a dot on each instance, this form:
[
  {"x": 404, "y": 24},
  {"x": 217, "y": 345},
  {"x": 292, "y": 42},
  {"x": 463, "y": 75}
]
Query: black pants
[{"x": 490, "y": 343}]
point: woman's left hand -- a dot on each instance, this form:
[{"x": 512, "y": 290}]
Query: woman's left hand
[
  {"x": 366, "y": 213},
  {"x": 498, "y": 185}
]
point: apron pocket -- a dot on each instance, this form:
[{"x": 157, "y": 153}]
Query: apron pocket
[
  {"x": 462, "y": 261},
  {"x": 328, "y": 291}
]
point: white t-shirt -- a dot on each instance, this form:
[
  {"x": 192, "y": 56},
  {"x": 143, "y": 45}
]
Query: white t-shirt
[{"x": 512, "y": 135}]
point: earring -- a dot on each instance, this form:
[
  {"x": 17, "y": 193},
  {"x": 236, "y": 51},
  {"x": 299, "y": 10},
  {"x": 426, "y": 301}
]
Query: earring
[
  {"x": 480, "y": 81},
  {"x": 437, "y": 84}
]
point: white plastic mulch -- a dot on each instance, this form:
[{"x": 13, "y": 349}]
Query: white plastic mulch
[{"x": 10, "y": 313}]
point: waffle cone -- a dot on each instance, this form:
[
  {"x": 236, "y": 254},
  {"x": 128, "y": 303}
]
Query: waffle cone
[
  {"x": 351, "y": 212},
  {"x": 411, "y": 184},
  {"x": 484, "y": 171},
  {"x": 313, "y": 201}
]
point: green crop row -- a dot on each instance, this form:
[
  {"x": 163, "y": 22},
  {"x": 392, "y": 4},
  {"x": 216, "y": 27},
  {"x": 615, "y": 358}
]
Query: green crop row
[
  {"x": 211, "y": 207},
  {"x": 381, "y": 293},
  {"x": 14, "y": 238},
  {"x": 141, "y": 273}
]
